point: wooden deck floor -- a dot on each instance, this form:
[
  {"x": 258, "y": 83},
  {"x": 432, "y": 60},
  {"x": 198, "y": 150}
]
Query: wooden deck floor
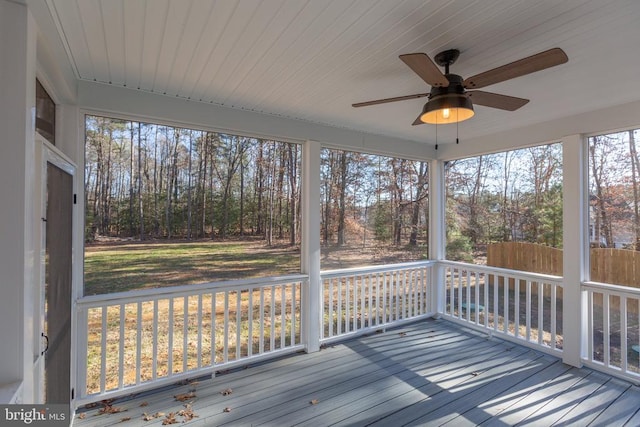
[{"x": 428, "y": 373}]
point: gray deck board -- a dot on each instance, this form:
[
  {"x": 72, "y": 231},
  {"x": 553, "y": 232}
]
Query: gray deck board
[{"x": 426, "y": 373}]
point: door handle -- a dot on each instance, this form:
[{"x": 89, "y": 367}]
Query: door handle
[{"x": 47, "y": 346}]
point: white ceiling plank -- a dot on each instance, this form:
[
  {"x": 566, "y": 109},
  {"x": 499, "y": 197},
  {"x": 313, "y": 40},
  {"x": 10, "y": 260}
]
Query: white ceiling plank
[
  {"x": 304, "y": 48},
  {"x": 90, "y": 17},
  {"x": 174, "y": 35},
  {"x": 134, "y": 18},
  {"x": 112, "y": 12},
  {"x": 273, "y": 66},
  {"x": 250, "y": 36},
  {"x": 153, "y": 30},
  {"x": 194, "y": 35},
  {"x": 71, "y": 31},
  {"x": 200, "y": 67}
]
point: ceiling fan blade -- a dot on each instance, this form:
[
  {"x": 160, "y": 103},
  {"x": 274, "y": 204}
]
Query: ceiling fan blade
[
  {"x": 495, "y": 100},
  {"x": 384, "y": 101},
  {"x": 417, "y": 121},
  {"x": 423, "y": 66},
  {"x": 530, "y": 64}
]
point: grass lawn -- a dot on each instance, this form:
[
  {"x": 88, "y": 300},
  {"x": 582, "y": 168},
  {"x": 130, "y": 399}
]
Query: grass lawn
[{"x": 124, "y": 266}]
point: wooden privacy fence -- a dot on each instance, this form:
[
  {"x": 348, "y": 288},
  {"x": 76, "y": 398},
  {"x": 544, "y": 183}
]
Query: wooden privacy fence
[
  {"x": 525, "y": 257},
  {"x": 615, "y": 266}
]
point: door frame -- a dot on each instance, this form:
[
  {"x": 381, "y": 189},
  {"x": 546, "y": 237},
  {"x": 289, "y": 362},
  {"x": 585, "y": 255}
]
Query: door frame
[{"x": 47, "y": 153}]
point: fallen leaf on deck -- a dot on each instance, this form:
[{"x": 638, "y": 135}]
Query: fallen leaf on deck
[
  {"x": 314, "y": 402},
  {"x": 227, "y": 409},
  {"x": 194, "y": 382},
  {"x": 143, "y": 404},
  {"x": 122, "y": 420},
  {"x": 149, "y": 417},
  {"x": 187, "y": 413},
  {"x": 170, "y": 419},
  {"x": 108, "y": 409},
  {"x": 82, "y": 416},
  {"x": 402, "y": 334},
  {"x": 226, "y": 392},
  {"x": 184, "y": 396},
  {"x": 475, "y": 374}
]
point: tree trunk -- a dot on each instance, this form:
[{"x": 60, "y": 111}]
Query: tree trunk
[{"x": 342, "y": 199}]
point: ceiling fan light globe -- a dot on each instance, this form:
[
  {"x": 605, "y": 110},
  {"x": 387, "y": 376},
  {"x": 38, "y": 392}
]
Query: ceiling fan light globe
[{"x": 447, "y": 108}]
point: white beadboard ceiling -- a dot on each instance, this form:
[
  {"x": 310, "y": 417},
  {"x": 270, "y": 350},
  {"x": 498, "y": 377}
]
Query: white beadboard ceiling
[{"x": 311, "y": 59}]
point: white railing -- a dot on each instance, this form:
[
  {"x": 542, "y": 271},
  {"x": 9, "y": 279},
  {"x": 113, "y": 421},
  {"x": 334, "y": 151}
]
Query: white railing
[
  {"x": 358, "y": 300},
  {"x": 613, "y": 336},
  {"x": 521, "y": 306},
  {"x": 132, "y": 341}
]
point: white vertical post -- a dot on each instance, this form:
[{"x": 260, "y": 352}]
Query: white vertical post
[
  {"x": 437, "y": 233},
  {"x": 311, "y": 297},
  {"x": 574, "y": 223},
  {"x": 19, "y": 326}
]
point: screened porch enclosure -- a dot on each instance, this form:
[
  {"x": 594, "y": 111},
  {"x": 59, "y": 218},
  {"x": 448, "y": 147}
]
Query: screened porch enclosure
[{"x": 290, "y": 71}]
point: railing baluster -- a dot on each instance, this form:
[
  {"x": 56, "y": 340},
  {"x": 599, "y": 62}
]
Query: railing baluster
[
  {"x": 606, "y": 328},
  {"x": 283, "y": 310},
  {"x": 272, "y": 332},
  {"x": 341, "y": 313},
  {"x": 468, "y": 295},
  {"x": 540, "y": 312},
  {"x": 459, "y": 286},
  {"x": 377, "y": 306},
  {"x": 170, "y": 346},
  {"x": 528, "y": 311},
  {"x": 185, "y": 334},
  {"x": 250, "y": 326},
  {"x": 476, "y": 282},
  {"x": 238, "y": 323},
  {"x": 506, "y": 304},
  {"x": 261, "y": 344},
  {"x": 154, "y": 351},
  {"x": 121, "y": 348},
  {"x": 385, "y": 299},
  {"x": 354, "y": 325},
  {"x": 199, "y": 349},
  {"x": 103, "y": 350},
  {"x": 496, "y": 295},
  {"x": 370, "y": 321},
  {"x": 138, "y": 342},
  {"x": 485, "y": 280},
  {"x": 623, "y": 332},
  {"x": 214, "y": 316},
  {"x": 225, "y": 342},
  {"x": 452, "y": 293},
  {"x": 516, "y": 307},
  {"x": 589, "y": 325},
  {"x": 293, "y": 313},
  {"x": 330, "y": 320},
  {"x": 554, "y": 306}
]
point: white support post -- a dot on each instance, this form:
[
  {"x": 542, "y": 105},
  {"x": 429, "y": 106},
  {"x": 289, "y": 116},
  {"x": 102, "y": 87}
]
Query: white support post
[
  {"x": 574, "y": 263},
  {"x": 18, "y": 321},
  {"x": 311, "y": 305},
  {"x": 437, "y": 233}
]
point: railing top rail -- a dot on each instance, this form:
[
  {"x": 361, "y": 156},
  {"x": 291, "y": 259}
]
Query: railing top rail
[
  {"x": 617, "y": 289},
  {"x": 375, "y": 268},
  {"x": 180, "y": 290},
  {"x": 504, "y": 271}
]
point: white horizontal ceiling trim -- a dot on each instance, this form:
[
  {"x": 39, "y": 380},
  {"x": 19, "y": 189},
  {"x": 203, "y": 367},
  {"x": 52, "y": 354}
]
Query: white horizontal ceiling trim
[
  {"x": 164, "y": 109},
  {"x": 625, "y": 116}
]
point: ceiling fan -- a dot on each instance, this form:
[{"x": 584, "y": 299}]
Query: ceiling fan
[{"x": 449, "y": 99}]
